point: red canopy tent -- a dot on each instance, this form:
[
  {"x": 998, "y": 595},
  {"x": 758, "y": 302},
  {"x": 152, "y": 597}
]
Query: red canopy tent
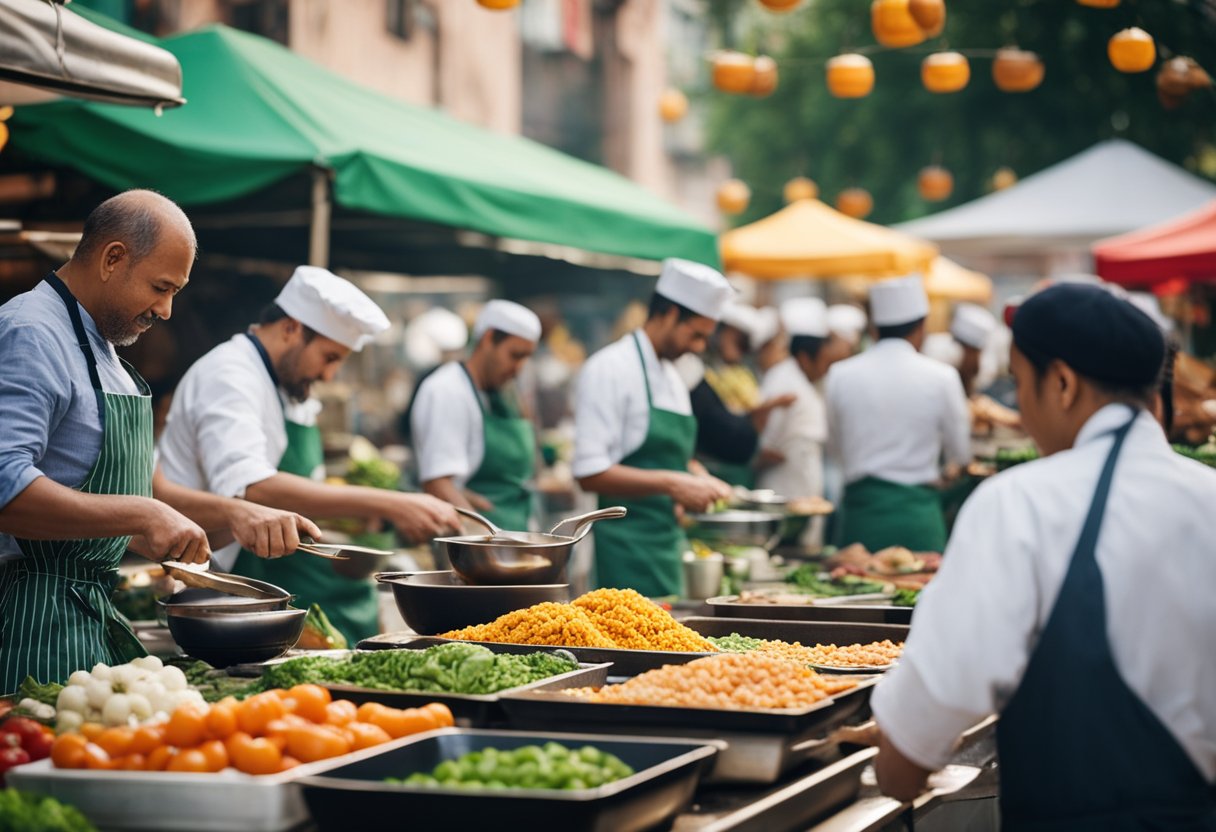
[{"x": 1183, "y": 248}]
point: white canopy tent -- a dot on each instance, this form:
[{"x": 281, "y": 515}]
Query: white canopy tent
[{"x": 1112, "y": 188}]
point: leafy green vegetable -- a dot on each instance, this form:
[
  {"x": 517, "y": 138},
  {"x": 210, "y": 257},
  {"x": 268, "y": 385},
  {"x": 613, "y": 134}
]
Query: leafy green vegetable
[
  {"x": 1204, "y": 453},
  {"x": 905, "y": 597},
  {"x": 551, "y": 766},
  {"x": 374, "y": 473},
  {"x": 47, "y": 694},
  {"x": 214, "y": 684},
  {"x": 24, "y": 812},
  {"x": 445, "y": 668},
  {"x": 806, "y": 577},
  {"x": 319, "y": 633},
  {"x": 1008, "y": 457}
]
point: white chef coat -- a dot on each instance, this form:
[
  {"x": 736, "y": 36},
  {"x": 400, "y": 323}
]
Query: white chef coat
[
  {"x": 447, "y": 427},
  {"x": 978, "y": 622},
  {"x": 894, "y": 412},
  {"x": 798, "y": 431},
  {"x": 225, "y": 430},
  {"x": 611, "y": 415}
]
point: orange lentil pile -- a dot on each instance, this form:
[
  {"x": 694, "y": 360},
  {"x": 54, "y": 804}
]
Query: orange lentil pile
[
  {"x": 875, "y": 654},
  {"x": 620, "y": 618},
  {"x": 732, "y": 680}
]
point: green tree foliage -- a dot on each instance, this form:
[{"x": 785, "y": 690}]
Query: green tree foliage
[{"x": 882, "y": 141}]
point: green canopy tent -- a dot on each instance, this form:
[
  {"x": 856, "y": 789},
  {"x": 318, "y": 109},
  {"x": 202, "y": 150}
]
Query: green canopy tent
[{"x": 259, "y": 118}]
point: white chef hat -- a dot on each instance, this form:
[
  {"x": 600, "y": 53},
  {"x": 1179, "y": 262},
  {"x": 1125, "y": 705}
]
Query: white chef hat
[
  {"x": 847, "y": 321},
  {"x": 805, "y": 316},
  {"x": 900, "y": 300},
  {"x": 695, "y": 286},
  {"x": 972, "y": 325},
  {"x": 768, "y": 325},
  {"x": 332, "y": 307},
  {"x": 511, "y": 318},
  {"x": 741, "y": 316}
]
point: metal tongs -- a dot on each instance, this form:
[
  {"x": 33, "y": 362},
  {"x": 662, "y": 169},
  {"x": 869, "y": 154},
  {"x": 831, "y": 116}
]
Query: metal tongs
[{"x": 332, "y": 551}]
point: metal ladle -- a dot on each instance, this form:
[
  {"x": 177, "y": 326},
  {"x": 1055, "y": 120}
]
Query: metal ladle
[{"x": 581, "y": 524}]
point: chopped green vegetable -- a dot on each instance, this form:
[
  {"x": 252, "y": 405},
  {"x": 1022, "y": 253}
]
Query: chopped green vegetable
[
  {"x": 1008, "y": 457},
  {"x": 214, "y": 684},
  {"x": 446, "y": 668},
  {"x": 806, "y": 577},
  {"x": 551, "y": 766},
  {"x": 735, "y": 643},
  {"x": 24, "y": 812},
  {"x": 905, "y": 597},
  {"x": 374, "y": 473},
  {"x": 1204, "y": 453},
  {"x": 31, "y": 688}
]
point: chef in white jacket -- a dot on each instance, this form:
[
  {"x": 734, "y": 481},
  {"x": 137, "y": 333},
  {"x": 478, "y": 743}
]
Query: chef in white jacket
[{"x": 798, "y": 434}]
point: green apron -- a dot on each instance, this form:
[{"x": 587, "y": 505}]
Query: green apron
[
  {"x": 350, "y": 603},
  {"x": 643, "y": 550},
  {"x": 56, "y": 616},
  {"x": 879, "y": 513},
  {"x": 508, "y": 461}
]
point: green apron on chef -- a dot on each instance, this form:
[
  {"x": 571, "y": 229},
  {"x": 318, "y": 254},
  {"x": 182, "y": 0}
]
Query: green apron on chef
[
  {"x": 508, "y": 461},
  {"x": 879, "y": 513},
  {"x": 349, "y": 603},
  {"x": 643, "y": 551},
  {"x": 56, "y": 616}
]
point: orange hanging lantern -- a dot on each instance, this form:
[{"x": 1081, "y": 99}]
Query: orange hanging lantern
[
  {"x": 498, "y": 5},
  {"x": 850, "y": 76},
  {"x": 935, "y": 183},
  {"x": 734, "y": 72},
  {"x": 930, "y": 15},
  {"x": 780, "y": 5},
  {"x": 3, "y": 135},
  {"x": 766, "y": 76},
  {"x": 945, "y": 72},
  {"x": 1132, "y": 50},
  {"x": 893, "y": 24},
  {"x": 673, "y": 105},
  {"x": 800, "y": 188},
  {"x": 733, "y": 196},
  {"x": 1015, "y": 70},
  {"x": 855, "y": 202},
  {"x": 1099, "y": 4},
  {"x": 1003, "y": 178}
]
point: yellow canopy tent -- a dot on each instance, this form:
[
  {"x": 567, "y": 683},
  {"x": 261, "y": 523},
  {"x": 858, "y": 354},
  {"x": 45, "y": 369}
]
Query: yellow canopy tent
[{"x": 810, "y": 239}]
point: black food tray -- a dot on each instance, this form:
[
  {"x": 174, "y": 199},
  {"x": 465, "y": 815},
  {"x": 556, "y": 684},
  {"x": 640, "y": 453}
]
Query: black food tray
[
  {"x": 355, "y": 796},
  {"x": 728, "y": 606},
  {"x": 477, "y": 709},
  {"x": 809, "y": 633},
  {"x": 624, "y": 662}
]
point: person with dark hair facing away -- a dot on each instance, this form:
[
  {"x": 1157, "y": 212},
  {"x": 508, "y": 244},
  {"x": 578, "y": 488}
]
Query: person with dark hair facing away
[
  {"x": 895, "y": 414},
  {"x": 474, "y": 447},
  {"x": 1074, "y": 599},
  {"x": 635, "y": 433},
  {"x": 243, "y": 424},
  {"x": 76, "y": 465}
]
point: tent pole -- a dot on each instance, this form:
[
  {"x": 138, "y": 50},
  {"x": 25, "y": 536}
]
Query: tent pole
[{"x": 318, "y": 232}]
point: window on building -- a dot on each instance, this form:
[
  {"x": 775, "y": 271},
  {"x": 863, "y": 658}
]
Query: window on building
[{"x": 268, "y": 18}]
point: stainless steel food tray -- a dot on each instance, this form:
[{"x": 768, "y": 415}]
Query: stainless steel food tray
[
  {"x": 728, "y": 606},
  {"x": 806, "y": 632},
  {"x": 355, "y": 796}
]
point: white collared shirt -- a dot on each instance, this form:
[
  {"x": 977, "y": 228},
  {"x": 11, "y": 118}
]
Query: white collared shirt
[
  {"x": 611, "y": 415},
  {"x": 894, "y": 414},
  {"x": 798, "y": 431},
  {"x": 447, "y": 427},
  {"x": 225, "y": 430},
  {"x": 978, "y": 622}
]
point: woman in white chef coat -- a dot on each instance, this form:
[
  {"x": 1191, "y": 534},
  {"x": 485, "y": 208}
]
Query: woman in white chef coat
[
  {"x": 895, "y": 415},
  {"x": 474, "y": 447},
  {"x": 1084, "y": 581},
  {"x": 242, "y": 424},
  {"x": 635, "y": 433},
  {"x": 797, "y": 435}
]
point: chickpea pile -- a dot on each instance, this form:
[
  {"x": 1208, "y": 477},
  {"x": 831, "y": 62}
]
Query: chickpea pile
[
  {"x": 620, "y": 618},
  {"x": 730, "y": 681},
  {"x": 875, "y": 654}
]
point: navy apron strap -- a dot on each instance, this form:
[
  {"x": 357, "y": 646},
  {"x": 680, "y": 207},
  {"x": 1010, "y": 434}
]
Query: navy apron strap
[{"x": 82, "y": 337}]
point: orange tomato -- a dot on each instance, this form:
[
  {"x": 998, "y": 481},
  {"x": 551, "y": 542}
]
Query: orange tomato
[
  {"x": 365, "y": 711},
  {"x": 133, "y": 762},
  {"x": 92, "y": 730},
  {"x": 191, "y": 760},
  {"x": 340, "y": 712},
  {"x": 95, "y": 757},
  {"x": 253, "y": 756},
  {"x": 187, "y": 726},
  {"x": 316, "y": 742},
  {"x": 256, "y": 712},
  {"x": 365, "y": 735},
  {"x": 221, "y": 720},
  {"x": 159, "y": 758},
  {"x": 68, "y": 751},
  {"x": 116, "y": 741},
  {"x": 147, "y": 738},
  {"x": 288, "y": 762},
  {"x": 216, "y": 755},
  {"x": 285, "y": 723},
  {"x": 442, "y": 712},
  {"x": 311, "y": 702}
]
